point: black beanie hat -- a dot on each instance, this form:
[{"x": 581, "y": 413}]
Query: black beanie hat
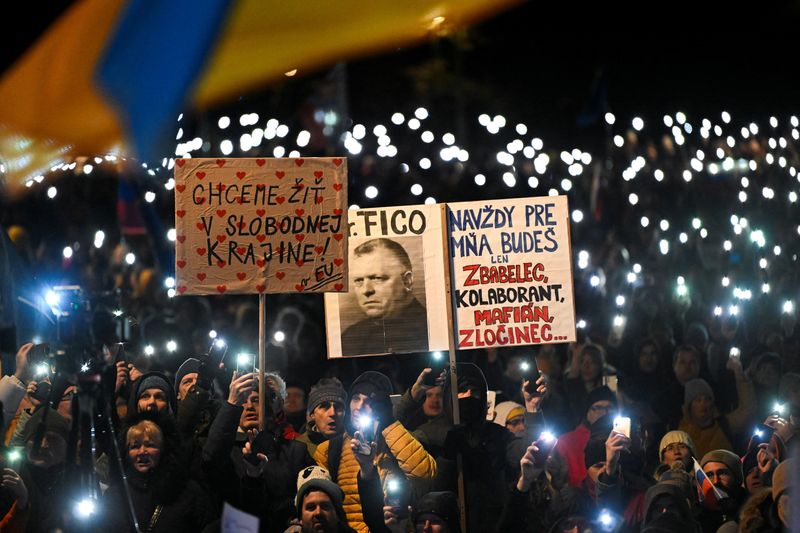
[
  {"x": 600, "y": 394},
  {"x": 443, "y": 504},
  {"x": 370, "y": 383}
]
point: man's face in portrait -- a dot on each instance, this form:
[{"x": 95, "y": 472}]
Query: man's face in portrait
[{"x": 382, "y": 284}]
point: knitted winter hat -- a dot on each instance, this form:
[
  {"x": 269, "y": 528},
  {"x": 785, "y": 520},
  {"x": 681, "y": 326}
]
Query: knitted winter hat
[
  {"x": 326, "y": 390},
  {"x": 729, "y": 459},
  {"x": 189, "y": 366},
  {"x": 318, "y": 478},
  {"x": 443, "y": 504},
  {"x": 695, "y": 388},
  {"x": 675, "y": 437},
  {"x": 505, "y": 411},
  {"x": 600, "y": 394},
  {"x": 371, "y": 382}
]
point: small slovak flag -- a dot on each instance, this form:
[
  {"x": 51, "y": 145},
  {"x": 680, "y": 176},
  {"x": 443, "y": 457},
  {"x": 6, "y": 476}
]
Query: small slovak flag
[{"x": 708, "y": 494}]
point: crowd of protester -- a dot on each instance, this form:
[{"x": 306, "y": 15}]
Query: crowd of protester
[{"x": 675, "y": 410}]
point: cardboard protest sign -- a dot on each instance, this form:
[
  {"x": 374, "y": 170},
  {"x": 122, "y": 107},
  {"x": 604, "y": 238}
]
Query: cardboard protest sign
[
  {"x": 249, "y": 226},
  {"x": 397, "y": 297},
  {"x": 511, "y": 272}
]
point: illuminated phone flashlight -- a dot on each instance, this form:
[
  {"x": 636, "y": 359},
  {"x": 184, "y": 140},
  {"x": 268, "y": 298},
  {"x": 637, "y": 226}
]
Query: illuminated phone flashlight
[
  {"x": 524, "y": 366},
  {"x": 778, "y": 408},
  {"x": 85, "y": 367},
  {"x": 118, "y": 312},
  {"x": 42, "y": 369},
  {"x": 85, "y": 508},
  {"x": 172, "y": 346},
  {"x": 606, "y": 520},
  {"x": 788, "y": 306},
  {"x": 619, "y": 320},
  {"x": 393, "y": 486},
  {"x": 220, "y": 343},
  {"x": 365, "y": 422},
  {"x": 279, "y": 336},
  {"x": 437, "y": 356},
  {"x": 243, "y": 359},
  {"x": 758, "y": 433},
  {"x": 733, "y": 310},
  {"x": 717, "y": 311},
  {"x": 149, "y": 350},
  {"x": 546, "y": 436},
  {"x": 14, "y": 455},
  {"x": 581, "y": 324},
  {"x": 734, "y": 352},
  {"x": 212, "y": 334}
]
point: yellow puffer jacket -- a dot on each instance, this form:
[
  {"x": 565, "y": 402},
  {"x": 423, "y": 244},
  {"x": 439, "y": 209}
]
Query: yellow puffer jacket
[{"x": 412, "y": 458}]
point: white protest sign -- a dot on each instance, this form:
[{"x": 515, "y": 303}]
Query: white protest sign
[{"x": 511, "y": 272}]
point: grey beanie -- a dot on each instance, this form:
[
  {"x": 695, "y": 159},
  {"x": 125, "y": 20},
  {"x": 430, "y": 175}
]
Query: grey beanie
[
  {"x": 694, "y": 388},
  {"x": 190, "y": 366},
  {"x": 326, "y": 390}
]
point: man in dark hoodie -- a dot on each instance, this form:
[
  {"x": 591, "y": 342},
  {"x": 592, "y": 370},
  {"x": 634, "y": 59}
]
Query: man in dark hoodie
[
  {"x": 667, "y": 508},
  {"x": 490, "y": 453},
  {"x": 152, "y": 393}
]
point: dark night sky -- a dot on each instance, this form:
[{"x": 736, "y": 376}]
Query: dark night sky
[{"x": 540, "y": 60}]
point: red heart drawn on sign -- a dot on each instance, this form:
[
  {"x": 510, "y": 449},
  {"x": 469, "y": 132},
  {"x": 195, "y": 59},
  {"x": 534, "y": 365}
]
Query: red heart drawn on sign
[
  {"x": 220, "y": 187},
  {"x": 201, "y": 251},
  {"x": 338, "y": 236},
  {"x": 300, "y": 186},
  {"x": 181, "y": 289},
  {"x": 337, "y": 211},
  {"x": 279, "y": 274},
  {"x": 260, "y": 162},
  {"x": 338, "y": 261},
  {"x": 299, "y": 162},
  {"x": 300, "y": 262},
  {"x": 201, "y": 200},
  {"x": 320, "y": 199},
  {"x": 240, "y": 175},
  {"x": 180, "y": 213},
  {"x": 260, "y": 186},
  {"x": 240, "y": 224},
  {"x": 261, "y": 237},
  {"x": 241, "y": 250},
  {"x": 317, "y": 173},
  {"x": 299, "y": 287},
  {"x": 200, "y": 226},
  {"x": 280, "y": 174},
  {"x": 338, "y": 286},
  {"x": 180, "y": 162},
  {"x": 319, "y": 249},
  {"x": 221, "y": 263},
  {"x": 221, "y": 212},
  {"x": 181, "y": 187},
  {"x": 261, "y": 288},
  {"x": 337, "y": 162},
  {"x": 261, "y": 263},
  {"x": 241, "y": 275},
  {"x": 261, "y": 212},
  {"x": 239, "y": 200},
  {"x": 300, "y": 237},
  {"x": 200, "y": 175},
  {"x": 220, "y": 162},
  {"x": 181, "y": 263},
  {"x": 221, "y": 288},
  {"x": 299, "y": 212},
  {"x": 280, "y": 199},
  {"x": 337, "y": 186},
  {"x": 181, "y": 238},
  {"x": 221, "y": 238},
  {"x": 201, "y": 276}
]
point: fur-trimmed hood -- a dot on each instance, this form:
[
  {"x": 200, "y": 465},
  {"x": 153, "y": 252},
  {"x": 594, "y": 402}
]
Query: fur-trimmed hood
[{"x": 758, "y": 514}]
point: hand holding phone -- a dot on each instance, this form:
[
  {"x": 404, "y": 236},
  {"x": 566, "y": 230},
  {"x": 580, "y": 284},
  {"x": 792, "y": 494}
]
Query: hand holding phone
[
  {"x": 397, "y": 495},
  {"x": 545, "y": 443},
  {"x": 622, "y": 425},
  {"x": 368, "y": 428}
]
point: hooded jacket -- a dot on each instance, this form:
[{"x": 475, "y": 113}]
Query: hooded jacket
[
  {"x": 759, "y": 515},
  {"x": 136, "y": 390}
]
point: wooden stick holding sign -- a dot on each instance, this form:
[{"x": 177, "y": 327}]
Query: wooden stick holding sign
[{"x": 260, "y": 226}]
